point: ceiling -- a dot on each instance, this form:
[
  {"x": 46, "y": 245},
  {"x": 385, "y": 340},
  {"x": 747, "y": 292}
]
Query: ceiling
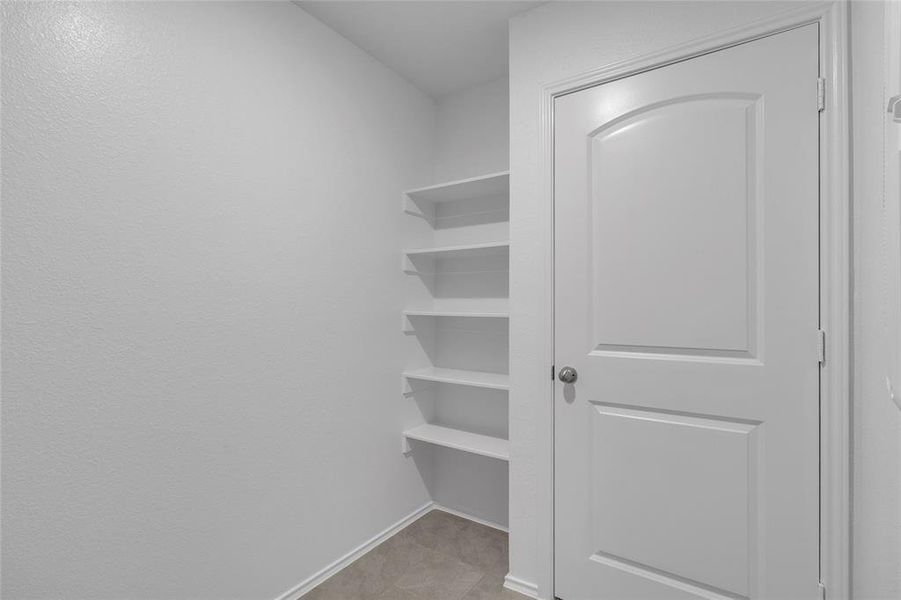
[{"x": 438, "y": 46}]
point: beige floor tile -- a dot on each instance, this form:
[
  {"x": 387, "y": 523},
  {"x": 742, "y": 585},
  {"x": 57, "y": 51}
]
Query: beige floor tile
[
  {"x": 433, "y": 529},
  {"x": 369, "y": 576},
  {"x": 437, "y": 576},
  {"x": 394, "y": 593},
  {"x": 477, "y": 545},
  {"x": 438, "y": 557},
  {"x": 474, "y": 544},
  {"x": 386, "y": 563},
  {"x": 340, "y": 587}
]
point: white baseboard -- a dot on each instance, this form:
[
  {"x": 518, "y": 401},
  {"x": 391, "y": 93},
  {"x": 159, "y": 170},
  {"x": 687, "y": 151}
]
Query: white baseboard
[
  {"x": 309, "y": 583},
  {"x": 463, "y": 515},
  {"x": 514, "y": 584}
]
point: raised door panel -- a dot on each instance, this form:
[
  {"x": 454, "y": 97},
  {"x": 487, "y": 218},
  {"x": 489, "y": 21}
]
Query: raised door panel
[
  {"x": 674, "y": 258},
  {"x": 675, "y": 494}
]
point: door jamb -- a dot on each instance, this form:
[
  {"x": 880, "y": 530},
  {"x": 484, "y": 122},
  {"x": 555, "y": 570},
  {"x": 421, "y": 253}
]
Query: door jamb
[{"x": 835, "y": 270}]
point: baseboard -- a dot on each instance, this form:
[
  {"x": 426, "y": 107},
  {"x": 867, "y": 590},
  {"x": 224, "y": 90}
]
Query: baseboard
[
  {"x": 514, "y": 584},
  {"x": 309, "y": 583},
  {"x": 468, "y": 517}
]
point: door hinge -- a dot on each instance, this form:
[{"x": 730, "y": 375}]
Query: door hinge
[
  {"x": 552, "y": 372},
  {"x": 821, "y": 94},
  {"x": 821, "y": 346},
  {"x": 822, "y": 590}
]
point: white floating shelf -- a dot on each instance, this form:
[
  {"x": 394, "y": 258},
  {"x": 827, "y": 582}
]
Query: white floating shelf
[
  {"x": 467, "y": 250},
  {"x": 494, "y": 184},
  {"x": 480, "y": 379},
  {"x": 497, "y": 308},
  {"x": 474, "y": 443},
  {"x": 458, "y": 313}
]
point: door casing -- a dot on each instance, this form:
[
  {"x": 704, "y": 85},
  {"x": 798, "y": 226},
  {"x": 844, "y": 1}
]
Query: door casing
[{"x": 835, "y": 272}]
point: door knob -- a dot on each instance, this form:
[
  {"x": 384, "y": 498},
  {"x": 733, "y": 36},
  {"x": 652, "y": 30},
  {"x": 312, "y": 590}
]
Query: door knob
[{"x": 567, "y": 375}]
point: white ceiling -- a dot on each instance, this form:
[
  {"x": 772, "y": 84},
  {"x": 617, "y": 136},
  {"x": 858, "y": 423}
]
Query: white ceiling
[{"x": 438, "y": 46}]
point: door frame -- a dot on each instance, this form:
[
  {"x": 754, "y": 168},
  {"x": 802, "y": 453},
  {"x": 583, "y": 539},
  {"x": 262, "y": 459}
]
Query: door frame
[
  {"x": 835, "y": 272},
  {"x": 892, "y": 187}
]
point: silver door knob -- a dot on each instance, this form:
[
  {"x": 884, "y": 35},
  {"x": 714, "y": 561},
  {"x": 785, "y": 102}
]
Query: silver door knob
[{"x": 567, "y": 375}]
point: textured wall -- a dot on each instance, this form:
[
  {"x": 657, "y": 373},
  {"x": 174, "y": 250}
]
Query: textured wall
[
  {"x": 200, "y": 298},
  {"x": 473, "y": 131}
]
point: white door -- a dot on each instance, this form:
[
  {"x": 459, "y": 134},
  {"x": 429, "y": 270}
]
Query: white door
[{"x": 686, "y": 228}]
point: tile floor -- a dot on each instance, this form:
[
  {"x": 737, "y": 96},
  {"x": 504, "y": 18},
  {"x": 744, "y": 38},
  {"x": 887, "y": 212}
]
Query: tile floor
[{"x": 438, "y": 557}]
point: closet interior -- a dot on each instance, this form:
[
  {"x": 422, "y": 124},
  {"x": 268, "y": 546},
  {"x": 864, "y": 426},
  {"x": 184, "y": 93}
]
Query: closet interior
[{"x": 456, "y": 322}]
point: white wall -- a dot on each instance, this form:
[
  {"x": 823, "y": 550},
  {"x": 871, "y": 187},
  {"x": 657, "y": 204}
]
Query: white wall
[
  {"x": 877, "y": 421},
  {"x": 200, "y": 298},
  {"x": 473, "y": 131},
  {"x": 549, "y": 43}
]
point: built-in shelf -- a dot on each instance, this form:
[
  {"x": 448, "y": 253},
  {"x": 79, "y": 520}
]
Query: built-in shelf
[
  {"x": 462, "y": 251},
  {"x": 494, "y": 184},
  {"x": 473, "y": 443},
  {"x": 457, "y": 315},
  {"x": 480, "y": 379},
  {"x": 473, "y": 314}
]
